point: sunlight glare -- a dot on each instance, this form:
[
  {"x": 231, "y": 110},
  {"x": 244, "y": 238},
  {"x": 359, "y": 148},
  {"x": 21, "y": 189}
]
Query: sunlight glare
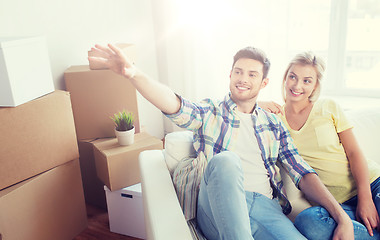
[{"x": 201, "y": 14}]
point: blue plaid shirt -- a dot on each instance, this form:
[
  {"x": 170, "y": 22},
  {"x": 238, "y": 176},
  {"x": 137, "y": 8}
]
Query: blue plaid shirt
[{"x": 215, "y": 125}]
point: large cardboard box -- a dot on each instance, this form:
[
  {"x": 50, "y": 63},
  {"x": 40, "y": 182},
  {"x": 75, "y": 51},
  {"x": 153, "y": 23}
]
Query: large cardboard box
[
  {"x": 96, "y": 95},
  {"x": 93, "y": 187},
  {"x": 117, "y": 166},
  {"x": 25, "y": 72},
  {"x": 126, "y": 211},
  {"x": 45, "y": 207},
  {"x": 36, "y": 136}
]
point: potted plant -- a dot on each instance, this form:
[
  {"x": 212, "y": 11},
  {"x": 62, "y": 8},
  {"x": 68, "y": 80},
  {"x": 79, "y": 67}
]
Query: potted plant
[{"x": 124, "y": 128}]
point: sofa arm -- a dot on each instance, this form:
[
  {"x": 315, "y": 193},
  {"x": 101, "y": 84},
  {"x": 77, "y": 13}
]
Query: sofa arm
[{"x": 163, "y": 214}]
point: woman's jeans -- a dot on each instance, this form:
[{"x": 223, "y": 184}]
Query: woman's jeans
[
  {"x": 316, "y": 222},
  {"x": 226, "y": 211}
]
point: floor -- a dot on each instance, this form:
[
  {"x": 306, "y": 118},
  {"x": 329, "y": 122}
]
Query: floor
[{"x": 98, "y": 227}]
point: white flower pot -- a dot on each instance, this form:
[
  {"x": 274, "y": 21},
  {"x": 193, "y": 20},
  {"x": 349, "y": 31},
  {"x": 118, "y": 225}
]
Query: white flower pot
[{"x": 125, "y": 138}]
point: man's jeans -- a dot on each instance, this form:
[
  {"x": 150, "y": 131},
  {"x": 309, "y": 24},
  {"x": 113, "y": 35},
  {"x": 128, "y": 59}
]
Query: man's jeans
[
  {"x": 226, "y": 211},
  {"x": 316, "y": 223}
]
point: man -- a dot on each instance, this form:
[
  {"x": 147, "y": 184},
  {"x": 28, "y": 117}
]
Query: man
[{"x": 241, "y": 194}]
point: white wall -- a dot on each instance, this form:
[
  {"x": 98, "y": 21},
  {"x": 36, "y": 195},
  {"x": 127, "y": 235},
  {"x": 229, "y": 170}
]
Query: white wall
[{"x": 71, "y": 27}]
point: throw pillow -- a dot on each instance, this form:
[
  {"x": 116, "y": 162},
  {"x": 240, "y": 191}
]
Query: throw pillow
[{"x": 186, "y": 179}]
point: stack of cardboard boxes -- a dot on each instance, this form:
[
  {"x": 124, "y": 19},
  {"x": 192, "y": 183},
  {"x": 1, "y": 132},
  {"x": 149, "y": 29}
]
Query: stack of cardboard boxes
[
  {"x": 41, "y": 193},
  {"x": 96, "y": 95}
]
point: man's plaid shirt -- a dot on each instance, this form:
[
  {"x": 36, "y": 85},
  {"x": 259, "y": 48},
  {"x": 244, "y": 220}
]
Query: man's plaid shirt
[{"x": 215, "y": 127}]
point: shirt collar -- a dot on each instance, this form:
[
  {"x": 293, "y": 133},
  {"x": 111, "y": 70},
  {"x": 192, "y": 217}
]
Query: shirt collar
[{"x": 231, "y": 105}]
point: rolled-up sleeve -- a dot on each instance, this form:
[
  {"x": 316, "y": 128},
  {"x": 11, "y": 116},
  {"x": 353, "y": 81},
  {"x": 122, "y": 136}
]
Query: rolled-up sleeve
[{"x": 188, "y": 116}]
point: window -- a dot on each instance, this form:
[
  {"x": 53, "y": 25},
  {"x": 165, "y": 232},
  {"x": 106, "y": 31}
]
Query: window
[
  {"x": 201, "y": 38},
  {"x": 346, "y": 34},
  {"x": 354, "y": 49},
  {"x": 363, "y": 45}
]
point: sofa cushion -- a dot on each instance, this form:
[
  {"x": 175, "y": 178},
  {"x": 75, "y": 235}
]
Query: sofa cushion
[
  {"x": 366, "y": 124},
  {"x": 178, "y": 145},
  {"x": 185, "y": 168}
]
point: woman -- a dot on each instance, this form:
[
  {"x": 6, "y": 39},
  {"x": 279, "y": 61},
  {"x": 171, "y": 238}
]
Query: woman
[{"x": 324, "y": 138}]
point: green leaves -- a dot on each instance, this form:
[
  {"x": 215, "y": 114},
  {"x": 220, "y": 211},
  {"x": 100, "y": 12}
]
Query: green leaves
[{"x": 123, "y": 120}]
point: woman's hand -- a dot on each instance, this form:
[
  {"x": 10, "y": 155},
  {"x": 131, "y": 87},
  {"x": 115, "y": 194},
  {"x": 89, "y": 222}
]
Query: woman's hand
[
  {"x": 113, "y": 58},
  {"x": 270, "y": 106},
  {"x": 366, "y": 213}
]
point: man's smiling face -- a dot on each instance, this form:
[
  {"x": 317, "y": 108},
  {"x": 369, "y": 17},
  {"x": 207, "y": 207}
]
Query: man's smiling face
[{"x": 246, "y": 80}]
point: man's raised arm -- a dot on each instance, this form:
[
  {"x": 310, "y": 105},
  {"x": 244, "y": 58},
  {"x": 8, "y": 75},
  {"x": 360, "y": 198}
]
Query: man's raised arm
[{"x": 158, "y": 94}]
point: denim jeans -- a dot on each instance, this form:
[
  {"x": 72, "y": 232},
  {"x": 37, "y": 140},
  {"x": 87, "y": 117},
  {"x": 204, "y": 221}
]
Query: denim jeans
[
  {"x": 316, "y": 222},
  {"x": 226, "y": 211}
]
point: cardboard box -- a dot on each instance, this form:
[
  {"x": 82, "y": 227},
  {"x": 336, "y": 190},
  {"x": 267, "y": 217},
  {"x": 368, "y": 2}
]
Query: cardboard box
[
  {"x": 128, "y": 49},
  {"x": 126, "y": 211},
  {"x": 117, "y": 166},
  {"x": 25, "y": 72},
  {"x": 93, "y": 187},
  {"x": 96, "y": 95},
  {"x": 35, "y": 137},
  {"x": 48, "y": 206}
]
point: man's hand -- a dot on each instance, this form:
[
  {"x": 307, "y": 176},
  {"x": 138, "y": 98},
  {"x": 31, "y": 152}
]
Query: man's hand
[
  {"x": 366, "y": 213},
  {"x": 113, "y": 58},
  {"x": 315, "y": 191},
  {"x": 156, "y": 93},
  {"x": 344, "y": 230}
]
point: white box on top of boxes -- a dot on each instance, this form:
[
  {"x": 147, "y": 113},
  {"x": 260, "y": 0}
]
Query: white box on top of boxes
[
  {"x": 25, "y": 72},
  {"x": 126, "y": 212}
]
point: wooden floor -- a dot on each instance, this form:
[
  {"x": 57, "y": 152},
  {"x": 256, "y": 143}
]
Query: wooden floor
[{"x": 98, "y": 227}]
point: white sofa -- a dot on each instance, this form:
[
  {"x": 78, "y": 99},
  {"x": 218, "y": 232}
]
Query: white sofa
[{"x": 163, "y": 214}]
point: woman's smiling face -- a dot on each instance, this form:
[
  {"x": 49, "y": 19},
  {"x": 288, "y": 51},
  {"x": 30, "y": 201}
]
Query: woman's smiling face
[{"x": 300, "y": 82}]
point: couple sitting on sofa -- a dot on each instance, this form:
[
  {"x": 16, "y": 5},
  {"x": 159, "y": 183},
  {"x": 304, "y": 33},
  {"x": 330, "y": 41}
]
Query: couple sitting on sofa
[{"x": 239, "y": 145}]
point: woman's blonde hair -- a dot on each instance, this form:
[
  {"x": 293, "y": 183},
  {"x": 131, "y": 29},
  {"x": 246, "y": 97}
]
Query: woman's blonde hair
[{"x": 307, "y": 58}]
